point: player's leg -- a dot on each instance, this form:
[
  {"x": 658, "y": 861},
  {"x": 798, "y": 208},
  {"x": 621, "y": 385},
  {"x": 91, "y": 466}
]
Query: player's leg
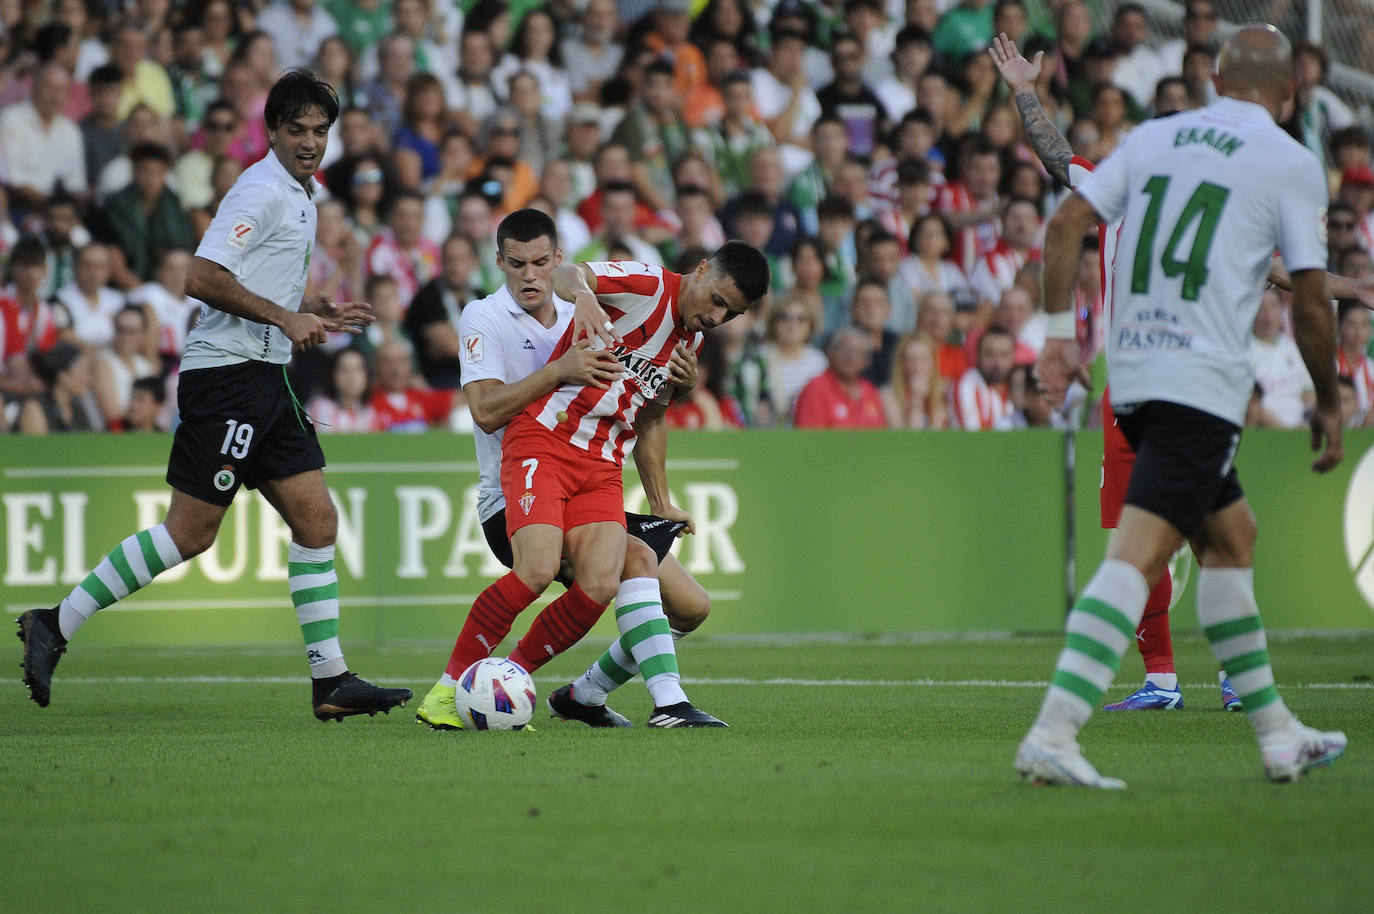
[
  {"x": 303, "y": 502},
  {"x": 1231, "y": 620}
]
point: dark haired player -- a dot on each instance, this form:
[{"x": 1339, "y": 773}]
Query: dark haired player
[{"x": 239, "y": 421}]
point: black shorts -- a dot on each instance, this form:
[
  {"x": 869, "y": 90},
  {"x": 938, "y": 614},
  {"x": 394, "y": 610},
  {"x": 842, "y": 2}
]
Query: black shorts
[
  {"x": 239, "y": 426},
  {"x": 1184, "y": 466},
  {"x": 657, "y": 532}
]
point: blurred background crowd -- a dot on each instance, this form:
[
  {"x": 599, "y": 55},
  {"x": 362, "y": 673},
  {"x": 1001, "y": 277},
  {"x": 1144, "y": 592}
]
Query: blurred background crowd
[{"x": 868, "y": 147}]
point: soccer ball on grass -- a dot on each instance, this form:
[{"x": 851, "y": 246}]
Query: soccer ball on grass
[{"x": 495, "y": 694}]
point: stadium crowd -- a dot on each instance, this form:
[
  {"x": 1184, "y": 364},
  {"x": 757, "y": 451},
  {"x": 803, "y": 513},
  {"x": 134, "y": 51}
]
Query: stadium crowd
[{"x": 868, "y": 147}]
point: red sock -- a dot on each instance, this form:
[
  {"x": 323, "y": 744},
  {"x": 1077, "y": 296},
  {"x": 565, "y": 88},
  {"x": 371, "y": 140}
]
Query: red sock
[
  {"x": 1153, "y": 638},
  {"x": 561, "y": 625},
  {"x": 489, "y": 622}
]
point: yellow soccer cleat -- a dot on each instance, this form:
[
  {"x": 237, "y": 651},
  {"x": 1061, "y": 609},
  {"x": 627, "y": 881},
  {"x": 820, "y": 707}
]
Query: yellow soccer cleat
[{"x": 437, "y": 711}]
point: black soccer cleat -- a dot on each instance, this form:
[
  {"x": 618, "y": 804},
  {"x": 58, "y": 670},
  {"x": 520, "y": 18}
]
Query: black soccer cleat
[
  {"x": 563, "y": 706},
  {"x": 683, "y": 714},
  {"x": 347, "y": 694},
  {"x": 43, "y": 647}
]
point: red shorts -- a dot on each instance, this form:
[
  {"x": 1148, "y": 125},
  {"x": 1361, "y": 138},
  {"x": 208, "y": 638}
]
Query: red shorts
[
  {"x": 547, "y": 481},
  {"x": 1117, "y": 461}
]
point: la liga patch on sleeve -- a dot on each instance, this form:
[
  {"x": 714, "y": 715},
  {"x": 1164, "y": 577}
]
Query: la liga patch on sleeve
[
  {"x": 472, "y": 348},
  {"x": 239, "y": 233}
]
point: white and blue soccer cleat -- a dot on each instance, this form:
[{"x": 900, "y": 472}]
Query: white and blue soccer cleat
[{"x": 1149, "y": 697}]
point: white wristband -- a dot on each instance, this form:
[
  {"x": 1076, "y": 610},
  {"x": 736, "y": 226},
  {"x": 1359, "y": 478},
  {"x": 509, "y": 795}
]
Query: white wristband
[{"x": 1059, "y": 325}]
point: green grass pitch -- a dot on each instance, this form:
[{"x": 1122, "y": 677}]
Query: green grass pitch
[{"x": 859, "y": 775}]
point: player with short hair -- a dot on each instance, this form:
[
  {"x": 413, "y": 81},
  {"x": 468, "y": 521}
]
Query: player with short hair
[
  {"x": 506, "y": 345},
  {"x": 561, "y": 457},
  {"x": 240, "y": 424},
  {"x": 1230, "y": 185}
]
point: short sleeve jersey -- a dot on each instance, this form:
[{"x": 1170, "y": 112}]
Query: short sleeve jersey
[
  {"x": 502, "y": 342},
  {"x": 642, "y": 302},
  {"x": 1205, "y": 197},
  {"x": 262, "y": 234}
]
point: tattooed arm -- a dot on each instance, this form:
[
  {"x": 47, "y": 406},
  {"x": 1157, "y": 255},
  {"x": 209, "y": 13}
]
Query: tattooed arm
[{"x": 1020, "y": 74}]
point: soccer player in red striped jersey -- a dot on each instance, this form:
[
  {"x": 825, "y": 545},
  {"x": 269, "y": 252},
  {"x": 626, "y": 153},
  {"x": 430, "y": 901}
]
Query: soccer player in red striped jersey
[{"x": 561, "y": 457}]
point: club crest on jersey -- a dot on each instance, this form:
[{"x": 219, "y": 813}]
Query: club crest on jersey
[
  {"x": 472, "y": 348},
  {"x": 527, "y": 502},
  {"x": 239, "y": 233},
  {"x": 224, "y": 479}
]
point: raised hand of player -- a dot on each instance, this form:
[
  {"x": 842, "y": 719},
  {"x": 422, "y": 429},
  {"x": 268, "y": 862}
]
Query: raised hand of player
[
  {"x": 1059, "y": 365},
  {"x": 1019, "y": 73},
  {"x": 1326, "y": 437},
  {"x": 590, "y": 320},
  {"x": 589, "y": 367},
  {"x": 348, "y": 316},
  {"x": 305, "y": 331},
  {"x": 682, "y": 367}
]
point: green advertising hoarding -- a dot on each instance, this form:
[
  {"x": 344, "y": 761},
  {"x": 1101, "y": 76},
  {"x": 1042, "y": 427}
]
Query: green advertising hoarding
[{"x": 805, "y": 532}]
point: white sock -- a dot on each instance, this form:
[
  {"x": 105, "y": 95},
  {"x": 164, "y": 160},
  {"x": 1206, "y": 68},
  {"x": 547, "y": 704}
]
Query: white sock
[
  {"x": 1167, "y": 681},
  {"x": 447, "y": 680}
]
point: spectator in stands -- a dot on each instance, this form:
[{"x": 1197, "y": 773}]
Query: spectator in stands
[
  {"x": 1350, "y": 402},
  {"x": 700, "y": 227},
  {"x": 981, "y": 398},
  {"x": 971, "y": 206},
  {"x": 220, "y": 29},
  {"x": 400, "y": 251},
  {"x": 1139, "y": 66},
  {"x": 1073, "y": 30},
  {"x": 556, "y": 186},
  {"x": 914, "y": 396},
  {"x": 193, "y": 170},
  {"x": 936, "y": 320},
  {"x": 193, "y": 88},
  {"x": 358, "y": 136},
  {"x": 335, "y": 63},
  {"x": 535, "y": 48},
  {"x": 1199, "y": 28},
  {"x": 1356, "y": 263},
  {"x": 617, "y": 226},
  {"x": 336, "y": 266},
  {"x": 1171, "y": 96},
  {"x": 64, "y": 406},
  {"x": 165, "y": 295},
  {"x": 362, "y": 23},
  {"x": 296, "y": 27},
  {"x": 768, "y": 178},
  {"x": 143, "y": 81},
  {"x": 368, "y": 192},
  {"x": 500, "y": 142},
  {"x": 42, "y": 151},
  {"x": 343, "y": 404},
  {"x": 784, "y": 99},
  {"x": 911, "y": 56},
  {"x": 415, "y": 146},
  {"x": 1109, "y": 110},
  {"x": 830, "y": 145},
  {"x": 653, "y": 133},
  {"x": 941, "y": 103},
  {"x": 540, "y": 133},
  {"x": 91, "y": 52},
  {"x": 593, "y": 54},
  {"x": 102, "y": 131},
  {"x": 398, "y": 403},
  {"x": 841, "y": 396},
  {"x": 1031, "y": 405},
  {"x": 27, "y": 321},
  {"x": 926, "y": 268},
  {"x": 118, "y": 365},
  {"x": 884, "y": 258},
  {"x": 836, "y": 226},
  {"x": 147, "y": 399},
  {"x": 1317, "y": 111},
  {"x": 729, "y": 145},
  {"x": 61, "y": 232},
  {"x": 1352, "y": 359},
  {"x": 732, "y": 22},
  {"x": 223, "y": 173},
  {"x": 383, "y": 293},
  {"x": 1349, "y": 149},
  {"x": 1357, "y": 192},
  {"x": 383, "y": 96},
  {"x": 805, "y": 283},
  {"x": 790, "y": 358},
  {"x": 1287, "y": 393},
  {"x": 1342, "y": 232},
  {"x": 1199, "y": 63},
  {"x": 1025, "y": 179},
  {"x": 996, "y": 270},
  {"x": 753, "y": 221},
  {"x": 852, "y": 100},
  {"x": 708, "y": 406},
  {"x": 870, "y": 311},
  {"x": 477, "y": 220},
  {"x": 476, "y": 97},
  {"x": 432, "y": 320},
  {"x": 980, "y": 90},
  {"x": 964, "y": 29},
  {"x": 147, "y": 216},
  {"x": 89, "y": 299}
]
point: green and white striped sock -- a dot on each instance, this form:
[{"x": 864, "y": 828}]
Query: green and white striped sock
[
  {"x": 644, "y": 633},
  {"x": 1100, "y": 628},
  {"x": 611, "y": 670},
  {"x": 315, "y": 592},
  {"x": 1230, "y": 618},
  {"x": 128, "y": 567}
]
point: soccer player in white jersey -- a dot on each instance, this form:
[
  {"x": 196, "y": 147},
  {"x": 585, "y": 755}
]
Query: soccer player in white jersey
[
  {"x": 561, "y": 455},
  {"x": 240, "y": 423},
  {"x": 506, "y": 347},
  {"x": 1205, "y": 198}
]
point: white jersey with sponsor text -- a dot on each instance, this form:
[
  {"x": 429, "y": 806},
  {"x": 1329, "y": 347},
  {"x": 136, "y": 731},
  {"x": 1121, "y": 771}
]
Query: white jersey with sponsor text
[
  {"x": 642, "y": 301},
  {"x": 262, "y": 233},
  {"x": 1205, "y": 197},
  {"x": 502, "y": 342}
]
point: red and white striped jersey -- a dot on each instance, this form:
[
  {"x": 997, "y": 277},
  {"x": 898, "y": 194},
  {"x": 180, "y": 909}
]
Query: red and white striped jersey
[
  {"x": 22, "y": 329},
  {"x": 978, "y": 405},
  {"x": 975, "y": 240},
  {"x": 1362, "y": 373},
  {"x": 642, "y": 301}
]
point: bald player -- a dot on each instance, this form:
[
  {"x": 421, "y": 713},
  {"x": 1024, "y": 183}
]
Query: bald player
[{"x": 1205, "y": 197}]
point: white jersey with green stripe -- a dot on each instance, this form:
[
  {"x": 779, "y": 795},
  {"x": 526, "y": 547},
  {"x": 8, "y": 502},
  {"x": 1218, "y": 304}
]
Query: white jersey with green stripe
[
  {"x": 263, "y": 234},
  {"x": 1205, "y": 197}
]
